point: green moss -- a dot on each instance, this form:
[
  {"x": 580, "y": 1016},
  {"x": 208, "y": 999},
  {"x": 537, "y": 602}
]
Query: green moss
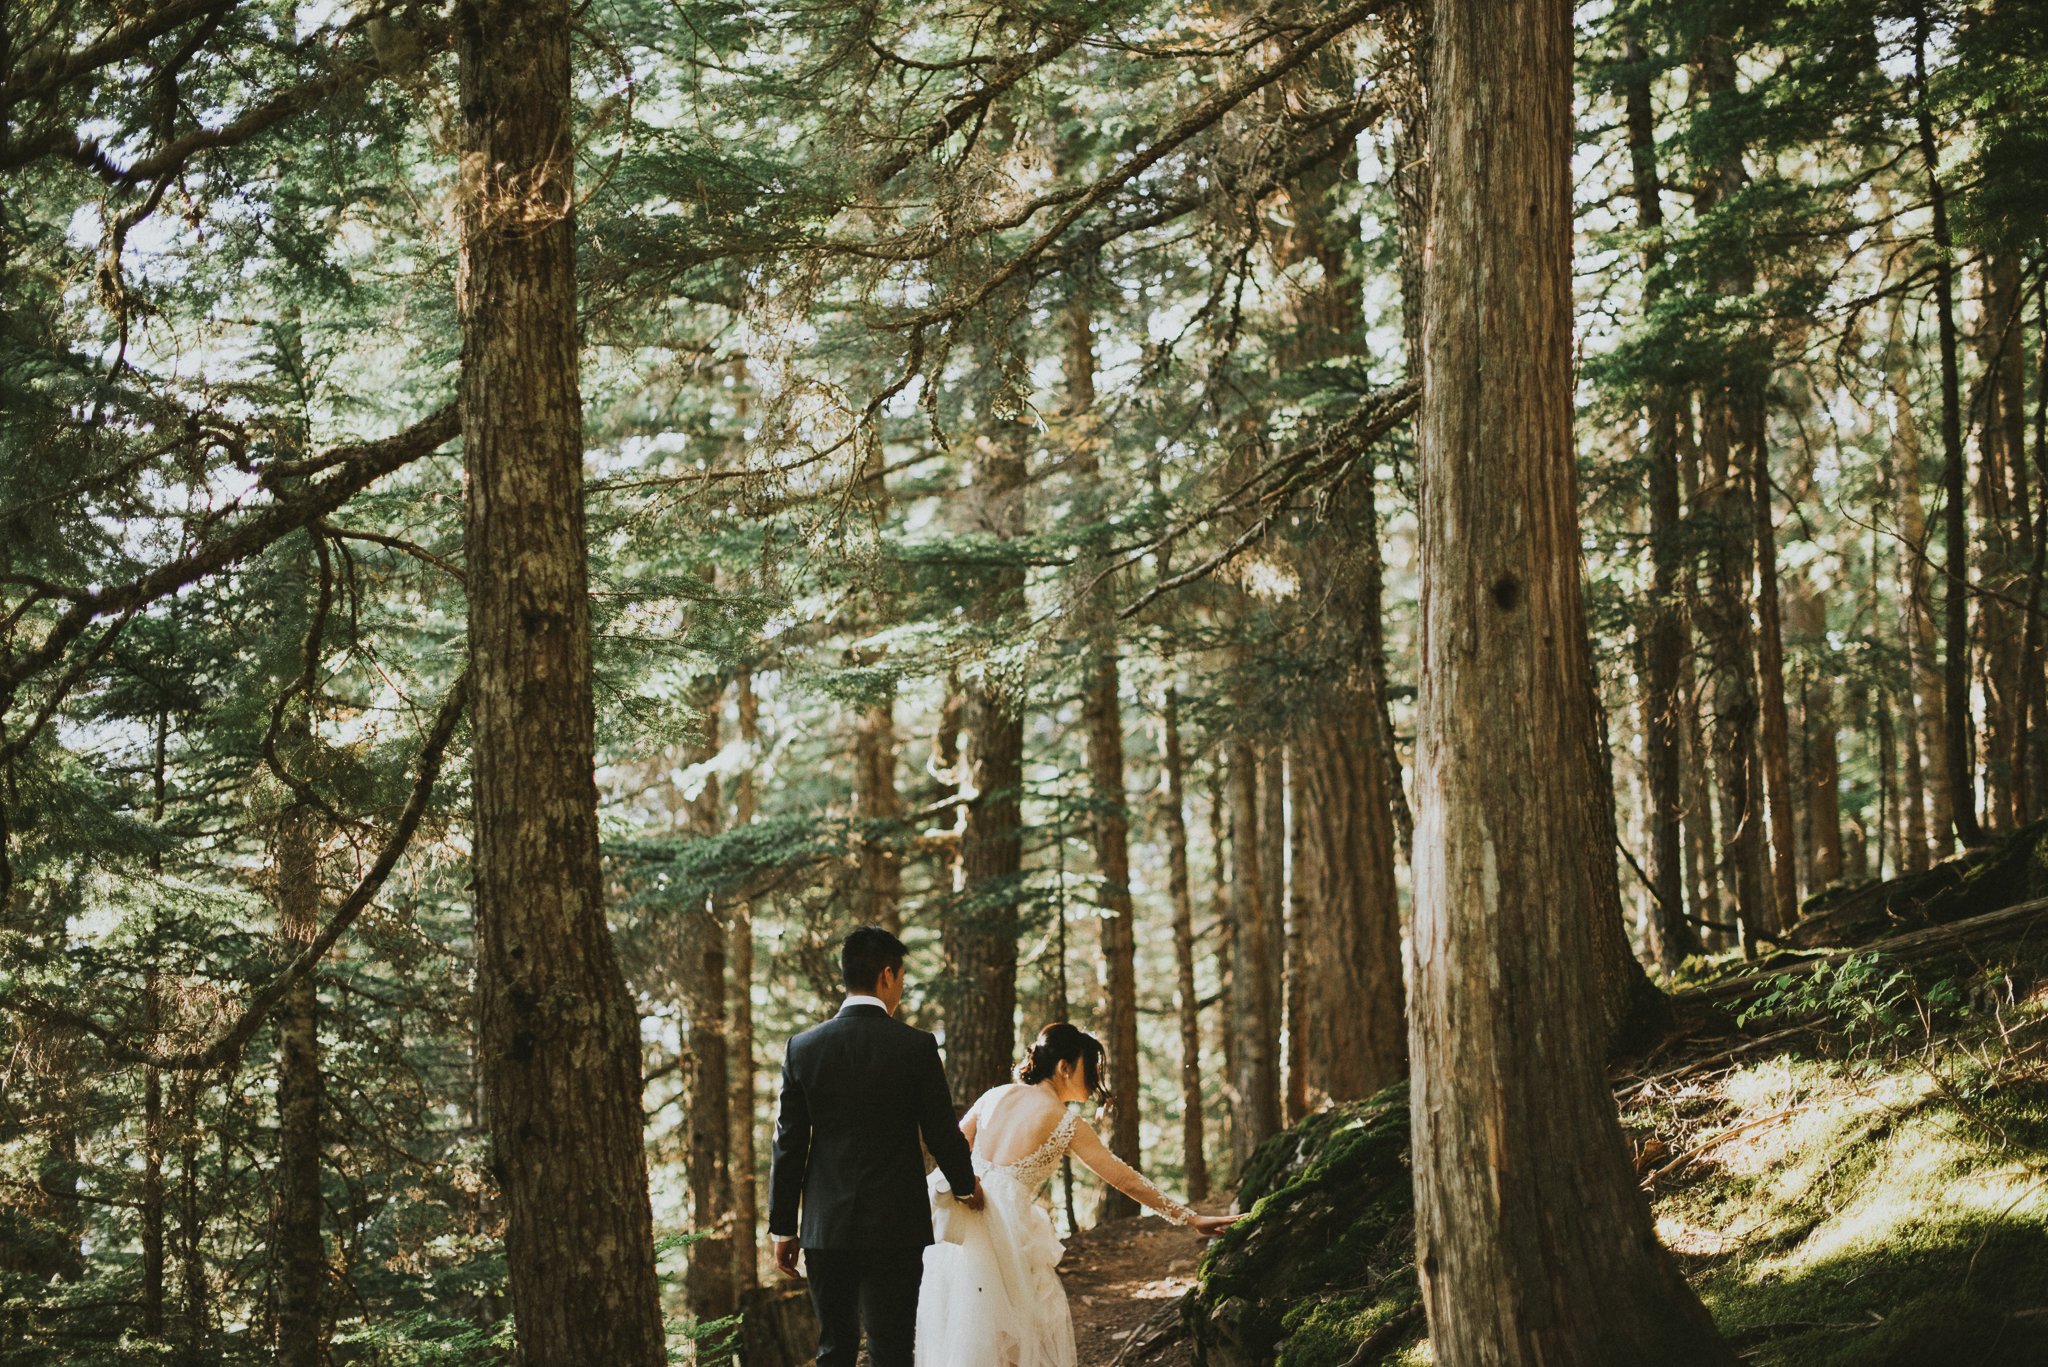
[
  {"x": 1858, "y": 1200},
  {"x": 1324, "y": 1257}
]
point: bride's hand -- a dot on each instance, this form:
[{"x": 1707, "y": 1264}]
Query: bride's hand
[{"x": 1209, "y": 1226}]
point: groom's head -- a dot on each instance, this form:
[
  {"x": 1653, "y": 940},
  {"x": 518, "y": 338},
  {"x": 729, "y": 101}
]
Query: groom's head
[{"x": 871, "y": 961}]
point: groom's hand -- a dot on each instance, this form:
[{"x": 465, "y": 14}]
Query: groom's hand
[
  {"x": 785, "y": 1256},
  {"x": 975, "y": 1201}
]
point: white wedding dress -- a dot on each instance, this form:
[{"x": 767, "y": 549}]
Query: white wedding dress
[{"x": 991, "y": 1295}]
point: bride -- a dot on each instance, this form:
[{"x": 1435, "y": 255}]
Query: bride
[{"x": 991, "y": 1297}]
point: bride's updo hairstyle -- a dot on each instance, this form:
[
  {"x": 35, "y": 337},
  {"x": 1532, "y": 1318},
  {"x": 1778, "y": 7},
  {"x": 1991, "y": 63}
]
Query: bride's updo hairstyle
[{"x": 1060, "y": 1043}]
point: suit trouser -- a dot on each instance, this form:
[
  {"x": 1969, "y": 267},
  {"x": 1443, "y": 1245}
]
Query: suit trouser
[{"x": 871, "y": 1287}]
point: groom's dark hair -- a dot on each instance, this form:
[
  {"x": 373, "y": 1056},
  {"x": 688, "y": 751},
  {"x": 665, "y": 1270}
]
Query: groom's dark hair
[{"x": 865, "y": 954}]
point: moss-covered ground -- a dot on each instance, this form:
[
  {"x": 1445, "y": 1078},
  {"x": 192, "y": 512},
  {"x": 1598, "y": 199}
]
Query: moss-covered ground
[{"x": 1853, "y": 1174}]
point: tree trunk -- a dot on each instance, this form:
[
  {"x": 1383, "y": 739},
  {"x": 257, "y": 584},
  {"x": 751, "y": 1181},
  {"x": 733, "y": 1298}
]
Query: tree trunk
[
  {"x": 1702, "y": 868},
  {"x": 709, "y": 1281},
  {"x": 153, "y": 1121},
  {"x": 745, "y": 1195},
  {"x": 1959, "y": 746},
  {"x": 1102, "y": 719},
  {"x": 1187, "y": 1004},
  {"x": 1732, "y": 435},
  {"x": 1928, "y": 818},
  {"x": 1821, "y": 771},
  {"x": 981, "y": 924},
  {"x": 1351, "y": 1010},
  {"x": 1294, "y": 1096},
  {"x": 878, "y": 892},
  {"x": 1222, "y": 861},
  {"x": 1776, "y": 738},
  {"x": 558, "y": 1037},
  {"x": 301, "y": 1257},
  {"x": 1254, "y": 985},
  {"x": 1343, "y": 987},
  {"x": 1527, "y": 1211},
  {"x": 194, "y": 1292},
  {"x": 1665, "y": 640},
  {"x": 2003, "y": 499}
]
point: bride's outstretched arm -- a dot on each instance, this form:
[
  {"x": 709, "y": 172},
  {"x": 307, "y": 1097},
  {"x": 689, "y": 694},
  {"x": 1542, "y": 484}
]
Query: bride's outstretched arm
[{"x": 1089, "y": 1148}]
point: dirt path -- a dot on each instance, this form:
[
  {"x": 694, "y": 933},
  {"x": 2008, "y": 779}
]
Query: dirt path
[{"x": 1123, "y": 1281}]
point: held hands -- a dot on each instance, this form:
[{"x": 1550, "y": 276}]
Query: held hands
[
  {"x": 977, "y": 1200},
  {"x": 785, "y": 1256}
]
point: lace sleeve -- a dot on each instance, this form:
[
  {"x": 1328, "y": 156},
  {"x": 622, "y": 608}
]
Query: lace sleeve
[{"x": 1127, "y": 1179}]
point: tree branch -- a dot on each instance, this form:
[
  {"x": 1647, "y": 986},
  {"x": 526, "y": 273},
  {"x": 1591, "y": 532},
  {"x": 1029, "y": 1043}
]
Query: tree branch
[{"x": 229, "y": 1043}]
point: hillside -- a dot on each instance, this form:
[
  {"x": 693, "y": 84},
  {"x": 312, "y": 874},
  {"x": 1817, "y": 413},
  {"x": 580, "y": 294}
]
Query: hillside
[{"x": 1847, "y": 1151}]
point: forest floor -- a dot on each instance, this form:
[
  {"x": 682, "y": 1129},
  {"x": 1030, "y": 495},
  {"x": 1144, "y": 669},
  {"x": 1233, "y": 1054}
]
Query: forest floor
[
  {"x": 1845, "y": 1147},
  {"x": 1124, "y": 1282}
]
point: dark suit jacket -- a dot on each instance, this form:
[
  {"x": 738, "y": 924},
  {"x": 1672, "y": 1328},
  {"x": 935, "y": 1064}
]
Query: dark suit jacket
[{"x": 857, "y": 1092}]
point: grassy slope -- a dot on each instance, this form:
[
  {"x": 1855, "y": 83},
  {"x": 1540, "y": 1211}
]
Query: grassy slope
[{"x": 1855, "y": 1176}]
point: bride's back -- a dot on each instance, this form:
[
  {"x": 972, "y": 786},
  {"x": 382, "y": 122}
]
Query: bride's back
[{"x": 1012, "y": 1121}]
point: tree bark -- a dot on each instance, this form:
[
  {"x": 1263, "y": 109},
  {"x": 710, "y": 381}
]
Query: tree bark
[
  {"x": 878, "y": 894},
  {"x": 980, "y": 931},
  {"x": 1533, "y": 1242},
  {"x": 153, "y": 1120},
  {"x": 745, "y": 1185},
  {"x": 1254, "y": 980},
  {"x": 1665, "y": 640},
  {"x": 1776, "y": 737},
  {"x": 709, "y": 1282},
  {"x": 1102, "y": 720},
  {"x": 1187, "y": 1005},
  {"x": 301, "y": 1256},
  {"x": 2005, "y": 525},
  {"x": 1343, "y": 985},
  {"x": 1732, "y": 435},
  {"x": 194, "y": 1291},
  {"x": 557, "y": 1032},
  {"x": 1958, "y": 743},
  {"x": 1924, "y": 799}
]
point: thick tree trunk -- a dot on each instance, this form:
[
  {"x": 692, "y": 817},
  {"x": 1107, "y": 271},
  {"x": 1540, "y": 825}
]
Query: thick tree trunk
[
  {"x": 1254, "y": 979},
  {"x": 1534, "y": 1245},
  {"x": 1958, "y": 742},
  {"x": 1343, "y": 988},
  {"x": 301, "y": 1256},
  {"x": 558, "y": 1038},
  {"x": 1187, "y": 1005},
  {"x": 980, "y": 930},
  {"x": 1665, "y": 639},
  {"x": 1351, "y": 959}
]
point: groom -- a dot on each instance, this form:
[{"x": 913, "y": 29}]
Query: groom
[{"x": 857, "y": 1092}]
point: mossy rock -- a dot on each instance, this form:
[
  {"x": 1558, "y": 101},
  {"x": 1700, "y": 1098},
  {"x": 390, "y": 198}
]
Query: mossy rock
[
  {"x": 1324, "y": 1262},
  {"x": 2013, "y": 870}
]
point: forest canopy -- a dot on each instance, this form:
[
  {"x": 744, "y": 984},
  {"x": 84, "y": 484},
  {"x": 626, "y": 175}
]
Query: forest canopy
[{"x": 521, "y": 525}]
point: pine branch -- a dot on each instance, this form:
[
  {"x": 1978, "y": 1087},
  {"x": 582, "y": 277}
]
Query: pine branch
[
  {"x": 359, "y": 467},
  {"x": 227, "y": 1045}
]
